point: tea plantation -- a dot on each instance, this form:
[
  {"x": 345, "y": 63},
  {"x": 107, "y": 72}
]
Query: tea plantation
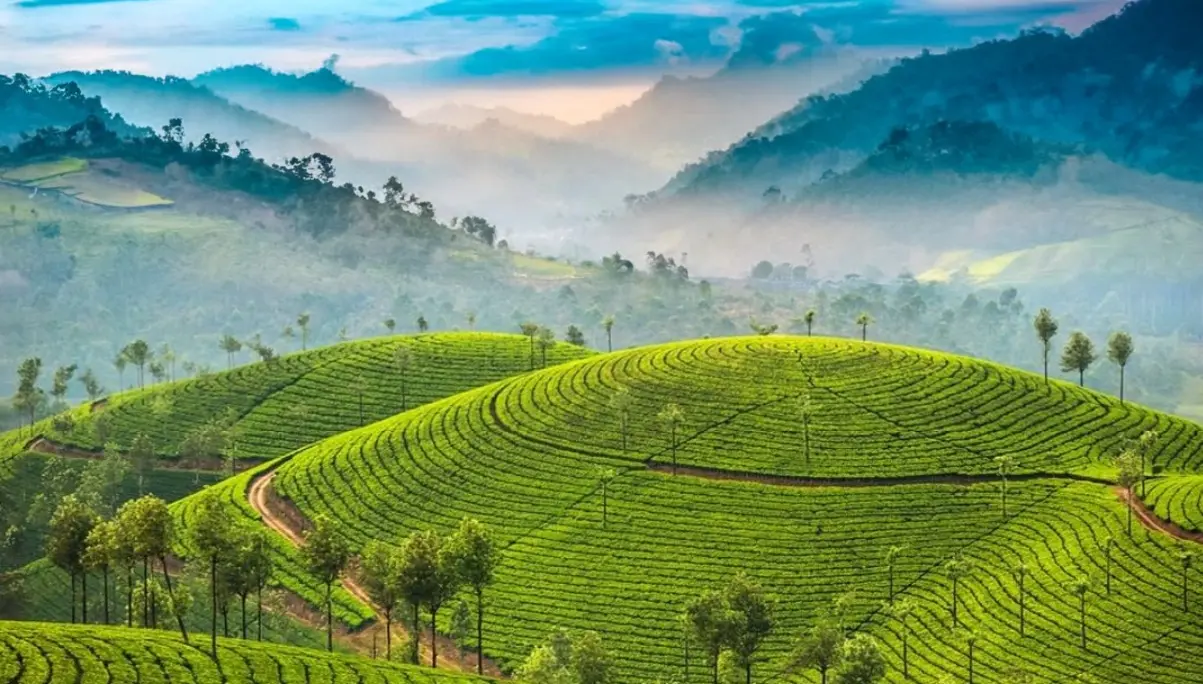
[
  {"x": 857, "y": 448},
  {"x": 42, "y": 653}
]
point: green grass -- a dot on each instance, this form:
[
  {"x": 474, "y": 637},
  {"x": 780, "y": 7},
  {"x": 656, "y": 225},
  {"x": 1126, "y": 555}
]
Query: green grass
[
  {"x": 541, "y": 267},
  {"x": 44, "y": 170},
  {"x": 1178, "y": 499},
  {"x": 521, "y": 456},
  {"x": 74, "y": 178},
  {"x": 61, "y": 654}
]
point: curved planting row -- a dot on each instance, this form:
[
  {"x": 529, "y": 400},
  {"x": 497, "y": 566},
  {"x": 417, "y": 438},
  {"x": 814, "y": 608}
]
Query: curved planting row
[
  {"x": 33, "y": 653},
  {"x": 523, "y": 456},
  {"x": 1178, "y": 499},
  {"x": 300, "y": 398}
]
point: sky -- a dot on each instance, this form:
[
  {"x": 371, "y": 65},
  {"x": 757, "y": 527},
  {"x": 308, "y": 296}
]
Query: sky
[{"x": 569, "y": 58}]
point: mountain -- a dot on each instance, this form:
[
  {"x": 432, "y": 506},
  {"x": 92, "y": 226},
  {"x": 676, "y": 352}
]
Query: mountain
[
  {"x": 1127, "y": 86},
  {"x": 26, "y": 106},
  {"x": 466, "y": 117},
  {"x": 152, "y": 102}
]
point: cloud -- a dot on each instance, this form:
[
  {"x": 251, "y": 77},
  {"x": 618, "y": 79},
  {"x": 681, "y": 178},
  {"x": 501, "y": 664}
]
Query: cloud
[
  {"x": 284, "y": 24},
  {"x": 475, "y": 9},
  {"x": 33, "y": 4}
]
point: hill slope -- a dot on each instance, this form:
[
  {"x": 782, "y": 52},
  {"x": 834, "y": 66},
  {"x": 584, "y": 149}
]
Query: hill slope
[
  {"x": 56, "y": 654},
  {"x": 902, "y": 444}
]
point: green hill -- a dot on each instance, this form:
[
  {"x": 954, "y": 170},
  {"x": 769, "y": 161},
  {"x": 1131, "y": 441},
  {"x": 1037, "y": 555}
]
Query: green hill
[
  {"x": 60, "y": 654},
  {"x": 902, "y": 448}
]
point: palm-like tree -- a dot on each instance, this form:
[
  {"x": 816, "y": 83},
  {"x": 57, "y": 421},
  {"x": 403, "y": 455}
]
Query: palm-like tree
[
  {"x": 605, "y": 476},
  {"x": 608, "y": 324},
  {"x": 892, "y": 555},
  {"x": 1108, "y": 547},
  {"x": 390, "y": 324},
  {"x": 863, "y": 321},
  {"x": 621, "y": 402},
  {"x": 957, "y": 569},
  {"x": 530, "y": 330},
  {"x": 303, "y": 324},
  {"x": 471, "y": 320},
  {"x": 1080, "y": 588},
  {"x": 547, "y": 340},
  {"x": 1020, "y": 572},
  {"x": 1006, "y": 463},
  {"x": 120, "y": 362},
  {"x": 671, "y": 416},
  {"x": 230, "y": 346},
  {"x": 809, "y": 318}
]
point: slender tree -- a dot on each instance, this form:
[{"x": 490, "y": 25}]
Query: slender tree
[
  {"x": 127, "y": 554},
  {"x": 360, "y": 385},
  {"x": 66, "y": 543},
  {"x": 475, "y": 555},
  {"x": 753, "y": 612},
  {"x": 861, "y": 661},
  {"x": 61, "y": 382},
  {"x": 671, "y": 415},
  {"x": 1020, "y": 572},
  {"x": 608, "y": 324},
  {"x": 531, "y": 330},
  {"x": 574, "y": 336},
  {"x": 140, "y": 354},
  {"x": 902, "y": 611},
  {"x": 970, "y": 638},
  {"x": 260, "y": 562},
  {"x": 427, "y": 577},
  {"x": 211, "y": 535},
  {"x": 326, "y": 554},
  {"x": 91, "y": 385},
  {"x": 712, "y": 624},
  {"x": 471, "y": 316},
  {"x": 1130, "y": 473},
  {"x": 1186, "y": 558},
  {"x": 381, "y": 565},
  {"x": 819, "y": 649},
  {"x": 403, "y": 360},
  {"x": 1108, "y": 547},
  {"x": 29, "y": 395},
  {"x": 423, "y": 326},
  {"x": 101, "y": 552},
  {"x": 1119, "y": 351},
  {"x": 1046, "y": 329},
  {"x": 1006, "y": 464},
  {"x": 621, "y": 402},
  {"x": 168, "y": 357},
  {"x": 809, "y": 318},
  {"x": 303, "y": 326},
  {"x": 120, "y": 362},
  {"x": 864, "y": 320},
  {"x": 892, "y": 555},
  {"x": 1080, "y": 588},
  {"x": 604, "y": 477},
  {"x": 957, "y": 569},
  {"x": 547, "y": 340},
  {"x": 1144, "y": 448},
  {"x": 1078, "y": 356},
  {"x": 231, "y": 346}
]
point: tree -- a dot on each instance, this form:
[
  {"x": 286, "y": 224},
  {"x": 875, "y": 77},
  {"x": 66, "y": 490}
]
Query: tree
[
  {"x": 210, "y": 535},
  {"x": 621, "y": 402},
  {"x": 806, "y": 411},
  {"x": 608, "y": 324},
  {"x": 139, "y": 353},
  {"x": 157, "y": 371},
  {"x": 591, "y": 663},
  {"x": 1108, "y": 547},
  {"x": 753, "y": 613},
  {"x": 242, "y": 567},
  {"x": 1119, "y": 350},
  {"x": 101, "y": 551},
  {"x": 1185, "y": 557},
  {"x": 957, "y": 569},
  {"x": 390, "y": 324},
  {"x": 1006, "y": 463},
  {"x": 809, "y": 319},
  {"x": 403, "y": 359},
  {"x": 428, "y": 575},
  {"x": 1080, "y": 588},
  {"x": 820, "y": 648},
  {"x": 91, "y": 385},
  {"x": 712, "y": 624},
  {"x": 1046, "y": 330},
  {"x": 471, "y": 317},
  {"x": 422, "y": 324},
  {"x": 288, "y": 333},
  {"x": 230, "y": 346},
  {"x": 120, "y": 362},
  {"x": 360, "y": 385},
  {"x": 892, "y": 555},
  {"x": 671, "y": 415},
  {"x": 861, "y": 661},
  {"x": 66, "y": 543},
  {"x": 970, "y": 638},
  {"x": 864, "y": 320},
  {"x": 29, "y": 395},
  {"x": 1144, "y": 448},
  {"x": 547, "y": 340},
  {"x": 62, "y": 379},
  {"x": 381, "y": 565},
  {"x": 102, "y": 480},
  {"x": 303, "y": 324},
  {"x": 605, "y": 476},
  {"x": 1130, "y": 472},
  {"x": 1078, "y": 355},
  {"x": 154, "y": 537},
  {"x": 126, "y": 555},
  {"x": 567, "y": 659},
  {"x": 258, "y": 559},
  {"x": 168, "y": 357},
  {"x": 461, "y": 618},
  {"x": 1020, "y": 572},
  {"x": 575, "y": 336},
  {"x": 142, "y": 458},
  {"x": 531, "y": 330},
  {"x": 902, "y": 611},
  {"x": 326, "y": 554}
]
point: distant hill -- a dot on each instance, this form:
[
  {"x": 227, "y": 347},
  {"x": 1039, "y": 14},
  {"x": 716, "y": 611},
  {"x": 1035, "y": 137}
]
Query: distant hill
[
  {"x": 467, "y": 117},
  {"x": 26, "y": 106}
]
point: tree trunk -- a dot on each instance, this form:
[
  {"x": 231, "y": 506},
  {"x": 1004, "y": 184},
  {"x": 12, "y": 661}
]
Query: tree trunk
[
  {"x": 906, "y": 653},
  {"x": 609, "y": 341},
  {"x": 1081, "y": 378},
  {"x": 1185, "y": 607},
  {"x": 147, "y": 597},
  {"x": 480, "y": 624},
  {"x": 259, "y": 620},
  {"x": 73, "y": 598},
  {"x": 891, "y": 584},
  {"x": 434, "y": 638},
  {"x": 129, "y": 595},
  {"x": 604, "y": 511},
  {"x": 714, "y": 666},
  {"x": 1129, "y": 511},
  {"x": 954, "y": 604},
  {"x": 225, "y": 618},
  {"x": 213, "y": 604},
  {"x": 179, "y": 619},
  {"x": 748, "y": 673},
  {"x": 1082, "y": 606},
  {"x": 1021, "y": 607},
  {"x": 1046, "y": 363},
  {"x": 106, "y": 594},
  {"x": 243, "y": 611},
  {"x": 329, "y": 619},
  {"x": 1121, "y": 385},
  {"x": 83, "y": 603},
  {"x": 388, "y": 633},
  {"x": 674, "y": 441},
  {"x": 970, "y": 663},
  {"x": 823, "y": 674},
  {"x": 404, "y": 401}
]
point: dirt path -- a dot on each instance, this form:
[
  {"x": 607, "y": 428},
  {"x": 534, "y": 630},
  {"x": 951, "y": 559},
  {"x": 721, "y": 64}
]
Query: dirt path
[
  {"x": 284, "y": 519},
  {"x": 1150, "y": 519}
]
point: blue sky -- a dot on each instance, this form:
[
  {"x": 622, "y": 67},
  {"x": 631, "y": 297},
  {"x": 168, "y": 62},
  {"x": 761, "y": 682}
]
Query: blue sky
[{"x": 474, "y": 45}]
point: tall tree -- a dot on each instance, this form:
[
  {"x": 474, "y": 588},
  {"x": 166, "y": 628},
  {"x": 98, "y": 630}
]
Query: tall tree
[
  {"x": 970, "y": 638},
  {"x": 1144, "y": 448},
  {"x": 381, "y": 565},
  {"x": 101, "y": 553},
  {"x": 861, "y": 661},
  {"x": 142, "y": 457},
  {"x": 547, "y": 340},
  {"x": 1078, "y": 355},
  {"x": 29, "y": 395},
  {"x": 326, "y": 554},
  {"x": 604, "y": 477},
  {"x": 168, "y": 357},
  {"x": 140, "y": 354},
  {"x": 230, "y": 346},
  {"x": 1130, "y": 472},
  {"x": 753, "y": 612},
  {"x": 120, "y": 362},
  {"x": 574, "y": 336},
  {"x": 423, "y": 326},
  {"x": 1119, "y": 350},
  {"x": 303, "y": 325},
  {"x": 288, "y": 333},
  {"x": 1080, "y": 588},
  {"x": 126, "y": 555},
  {"x": 66, "y": 543},
  {"x": 211, "y": 535},
  {"x": 154, "y": 536},
  {"x": 1020, "y": 572},
  {"x": 957, "y": 569},
  {"x": 712, "y": 624},
  {"x": 476, "y": 556},
  {"x": 902, "y": 611},
  {"x": 819, "y": 649},
  {"x": 621, "y": 402},
  {"x": 390, "y": 324},
  {"x": 471, "y": 317},
  {"x": 91, "y": 385},
  {"x": 403, "y": 359},
  {"x": 1046, "y": 329},
  {"x": 672, "y": 415},
  {"x": 863, "y": 321},
  {"x": 809, "y": 319},
  {"x": 892, "y": 555},
  {"x": 427, "y": 577},
  {"x": 531, "y": 330},
  {"x": 1005, "y": 463},
  {"x": 608, "y": 324},
  {"x": 259, "y": 562},
  {"x": 61, "y": 383},
  {"x": 1108, "y": 548}
]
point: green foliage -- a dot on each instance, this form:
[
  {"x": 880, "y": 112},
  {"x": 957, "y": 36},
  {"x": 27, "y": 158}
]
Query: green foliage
[
  {"x": 567, "y": 658},
  {"x": 1078, "y": 355},
  {"x": 861, "y": 661}
]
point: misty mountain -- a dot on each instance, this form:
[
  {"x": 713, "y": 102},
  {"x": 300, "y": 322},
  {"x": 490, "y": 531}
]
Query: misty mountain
[
  {"x": 1130, "y": 86},
  {"x": 151, "y": 102},
  {"x": 466, "y": 117},
  {"x": 26, "y": 106}
]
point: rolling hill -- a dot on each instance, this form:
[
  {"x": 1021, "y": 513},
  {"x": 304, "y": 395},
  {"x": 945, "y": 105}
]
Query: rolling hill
[
  {"x": 901, "y": 451},
  {"x": 47, "y": 653}
]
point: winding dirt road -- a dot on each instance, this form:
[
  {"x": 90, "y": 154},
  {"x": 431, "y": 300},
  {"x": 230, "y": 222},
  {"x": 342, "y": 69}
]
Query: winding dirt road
[{"x": 1150, "y": 520}]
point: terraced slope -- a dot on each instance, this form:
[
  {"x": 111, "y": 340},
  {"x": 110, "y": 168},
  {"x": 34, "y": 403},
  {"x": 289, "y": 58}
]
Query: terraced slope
[
  {"x": 39, "y": 653},
  {"x": 1178, "y": 500},
  {"x": 897, "y": 439},
  {"x": 303, "y": 397}
]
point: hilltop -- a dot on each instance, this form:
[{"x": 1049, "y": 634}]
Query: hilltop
[{"x": 899, "y": 449}]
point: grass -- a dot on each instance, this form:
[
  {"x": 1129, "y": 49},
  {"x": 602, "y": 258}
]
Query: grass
[
  {"x": 541, "y": 267},
  {"x": 74, "y": 178},
  {"x": 44, "y": 170},
  {"x": 522, "y": 456},
  {"x": 62, "y": 654}
]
